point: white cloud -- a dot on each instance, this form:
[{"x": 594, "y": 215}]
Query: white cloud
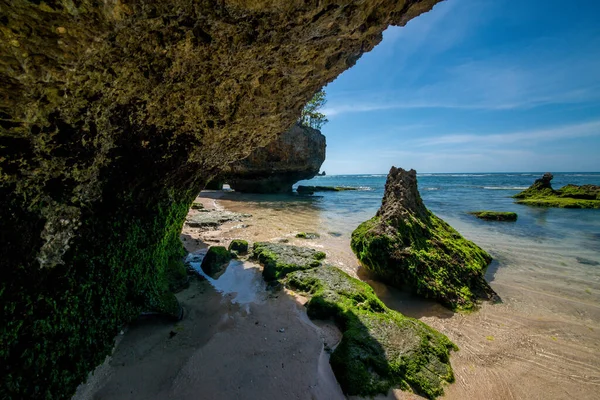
[{"x": 585, "y": 129}]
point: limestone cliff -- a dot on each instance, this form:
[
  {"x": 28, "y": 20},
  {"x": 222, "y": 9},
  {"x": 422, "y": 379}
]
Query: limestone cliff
[
  {"x": 295, "y": 155},
  {"x": 113, "y": 115}
]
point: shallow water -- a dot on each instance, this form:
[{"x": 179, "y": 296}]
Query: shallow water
[
  {"x": 241, "y": 282},
  {"x": 541, "y": 342}
]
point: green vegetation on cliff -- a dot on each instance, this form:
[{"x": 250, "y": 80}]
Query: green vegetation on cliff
[
  {"x": 380, "y": 348},
  {"x": 541, "y": 194},
  {"x": 310, "y": 115},
  {"x": 407, "y": 246},
  {"x": 59, "y": 323},
  {"x": 495, "y": 215}
]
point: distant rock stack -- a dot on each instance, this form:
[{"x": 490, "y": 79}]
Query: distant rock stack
[
  {"x": 407, "y": 246},
  {"x": 297, "y": 154}
]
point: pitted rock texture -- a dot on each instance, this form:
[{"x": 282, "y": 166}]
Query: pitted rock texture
[
  {"x": 408, "y": 246},
  {"x": 113, "y": 115},
  {"x": 295, "y": 155}
]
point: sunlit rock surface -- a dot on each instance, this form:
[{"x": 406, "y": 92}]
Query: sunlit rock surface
[{"x": 295, "y": 155}]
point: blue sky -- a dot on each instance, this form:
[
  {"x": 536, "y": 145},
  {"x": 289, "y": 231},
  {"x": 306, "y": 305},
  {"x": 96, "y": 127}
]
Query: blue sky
[{"x": 474, "y": 86}]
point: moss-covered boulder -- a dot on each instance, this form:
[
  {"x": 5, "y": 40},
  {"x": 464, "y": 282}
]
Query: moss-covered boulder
[
  {"x": 239, "y": 246},
  {"x": 380, "y": 348},
  {"x": 495, "y": 215},
  {"x": 216, "y": 261},
  {"x": 197, "y": 206},
  {"x": 407, "y": 246},
  {"x": 280, "y": 259},
  {"x": 542, "y": 194}
]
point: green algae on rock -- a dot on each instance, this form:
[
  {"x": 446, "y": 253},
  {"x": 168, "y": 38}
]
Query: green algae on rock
[
  {"x": 542, "y": 194},
  {"x": 495, "y": 215},
  {"x": 281, "y": 259},
  {"x": 238, "y": 246},
  {"x": 216, "y": 261},
  {"x": 407, "y": 246},
  {"x": 197, "y": 206},
  {"x": 380, "y": 348}
]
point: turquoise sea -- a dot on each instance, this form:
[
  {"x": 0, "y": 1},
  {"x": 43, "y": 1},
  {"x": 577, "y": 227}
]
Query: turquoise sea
[{"x": 452, "y": 196}]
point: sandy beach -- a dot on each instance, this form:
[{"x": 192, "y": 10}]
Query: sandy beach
[{"x": 534, "y": 345}]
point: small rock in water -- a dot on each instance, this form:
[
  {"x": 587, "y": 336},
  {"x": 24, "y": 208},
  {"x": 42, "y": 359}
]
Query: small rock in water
[
  {"x": 308, "y": 235},
  {"x": 281, "y": 330},
  {"x": 586, "y": 261}
]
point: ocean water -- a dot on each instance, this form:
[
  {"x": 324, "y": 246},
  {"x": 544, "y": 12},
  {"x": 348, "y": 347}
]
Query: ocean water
[{"x": 452, "y": 196}]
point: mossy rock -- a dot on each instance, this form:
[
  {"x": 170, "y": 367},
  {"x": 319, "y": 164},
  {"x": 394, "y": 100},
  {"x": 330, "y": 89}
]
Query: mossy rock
[
  {"x": 308, "y": 235},
  {"x": 541, "y": 194},
  {"x": 407, "y": 246},
  {"x": 281, "y": 259},
  {"x": 380, "y": 348},
  {"x": 216, "y": 261},
  {"x": 495, "y": 215},
  {"x": 197, "y": 206},
  {"x": 559, "y": 202},
  {"x": 239, "y": 246}
]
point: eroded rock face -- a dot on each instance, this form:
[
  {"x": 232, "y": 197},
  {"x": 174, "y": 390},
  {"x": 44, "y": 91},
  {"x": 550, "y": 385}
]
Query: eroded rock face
[
  {"x": 113, "y": 115},
  {"x": 406, "y": 245},
  {"x": 295, "y": 155}
]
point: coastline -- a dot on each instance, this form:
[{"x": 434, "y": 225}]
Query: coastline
[
  {"x": 526, "y": 347},
  {"x": 541, "y": 342}
]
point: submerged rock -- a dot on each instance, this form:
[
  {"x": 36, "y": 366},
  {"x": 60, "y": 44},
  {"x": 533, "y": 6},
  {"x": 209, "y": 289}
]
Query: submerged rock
[
  {"x": 295, "y": 155},
  {"x": 216, "y": 261},
  {"x": 313, "y": 189},
  {"x": 542, "y": 194},
  {"x": 406, "y": 245},
  {"x": 495, "y": 215},
  {"x": 281, "y": 259},
  {"x": 380, "y": 348},
  {"x": 307, "y": 235}
]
